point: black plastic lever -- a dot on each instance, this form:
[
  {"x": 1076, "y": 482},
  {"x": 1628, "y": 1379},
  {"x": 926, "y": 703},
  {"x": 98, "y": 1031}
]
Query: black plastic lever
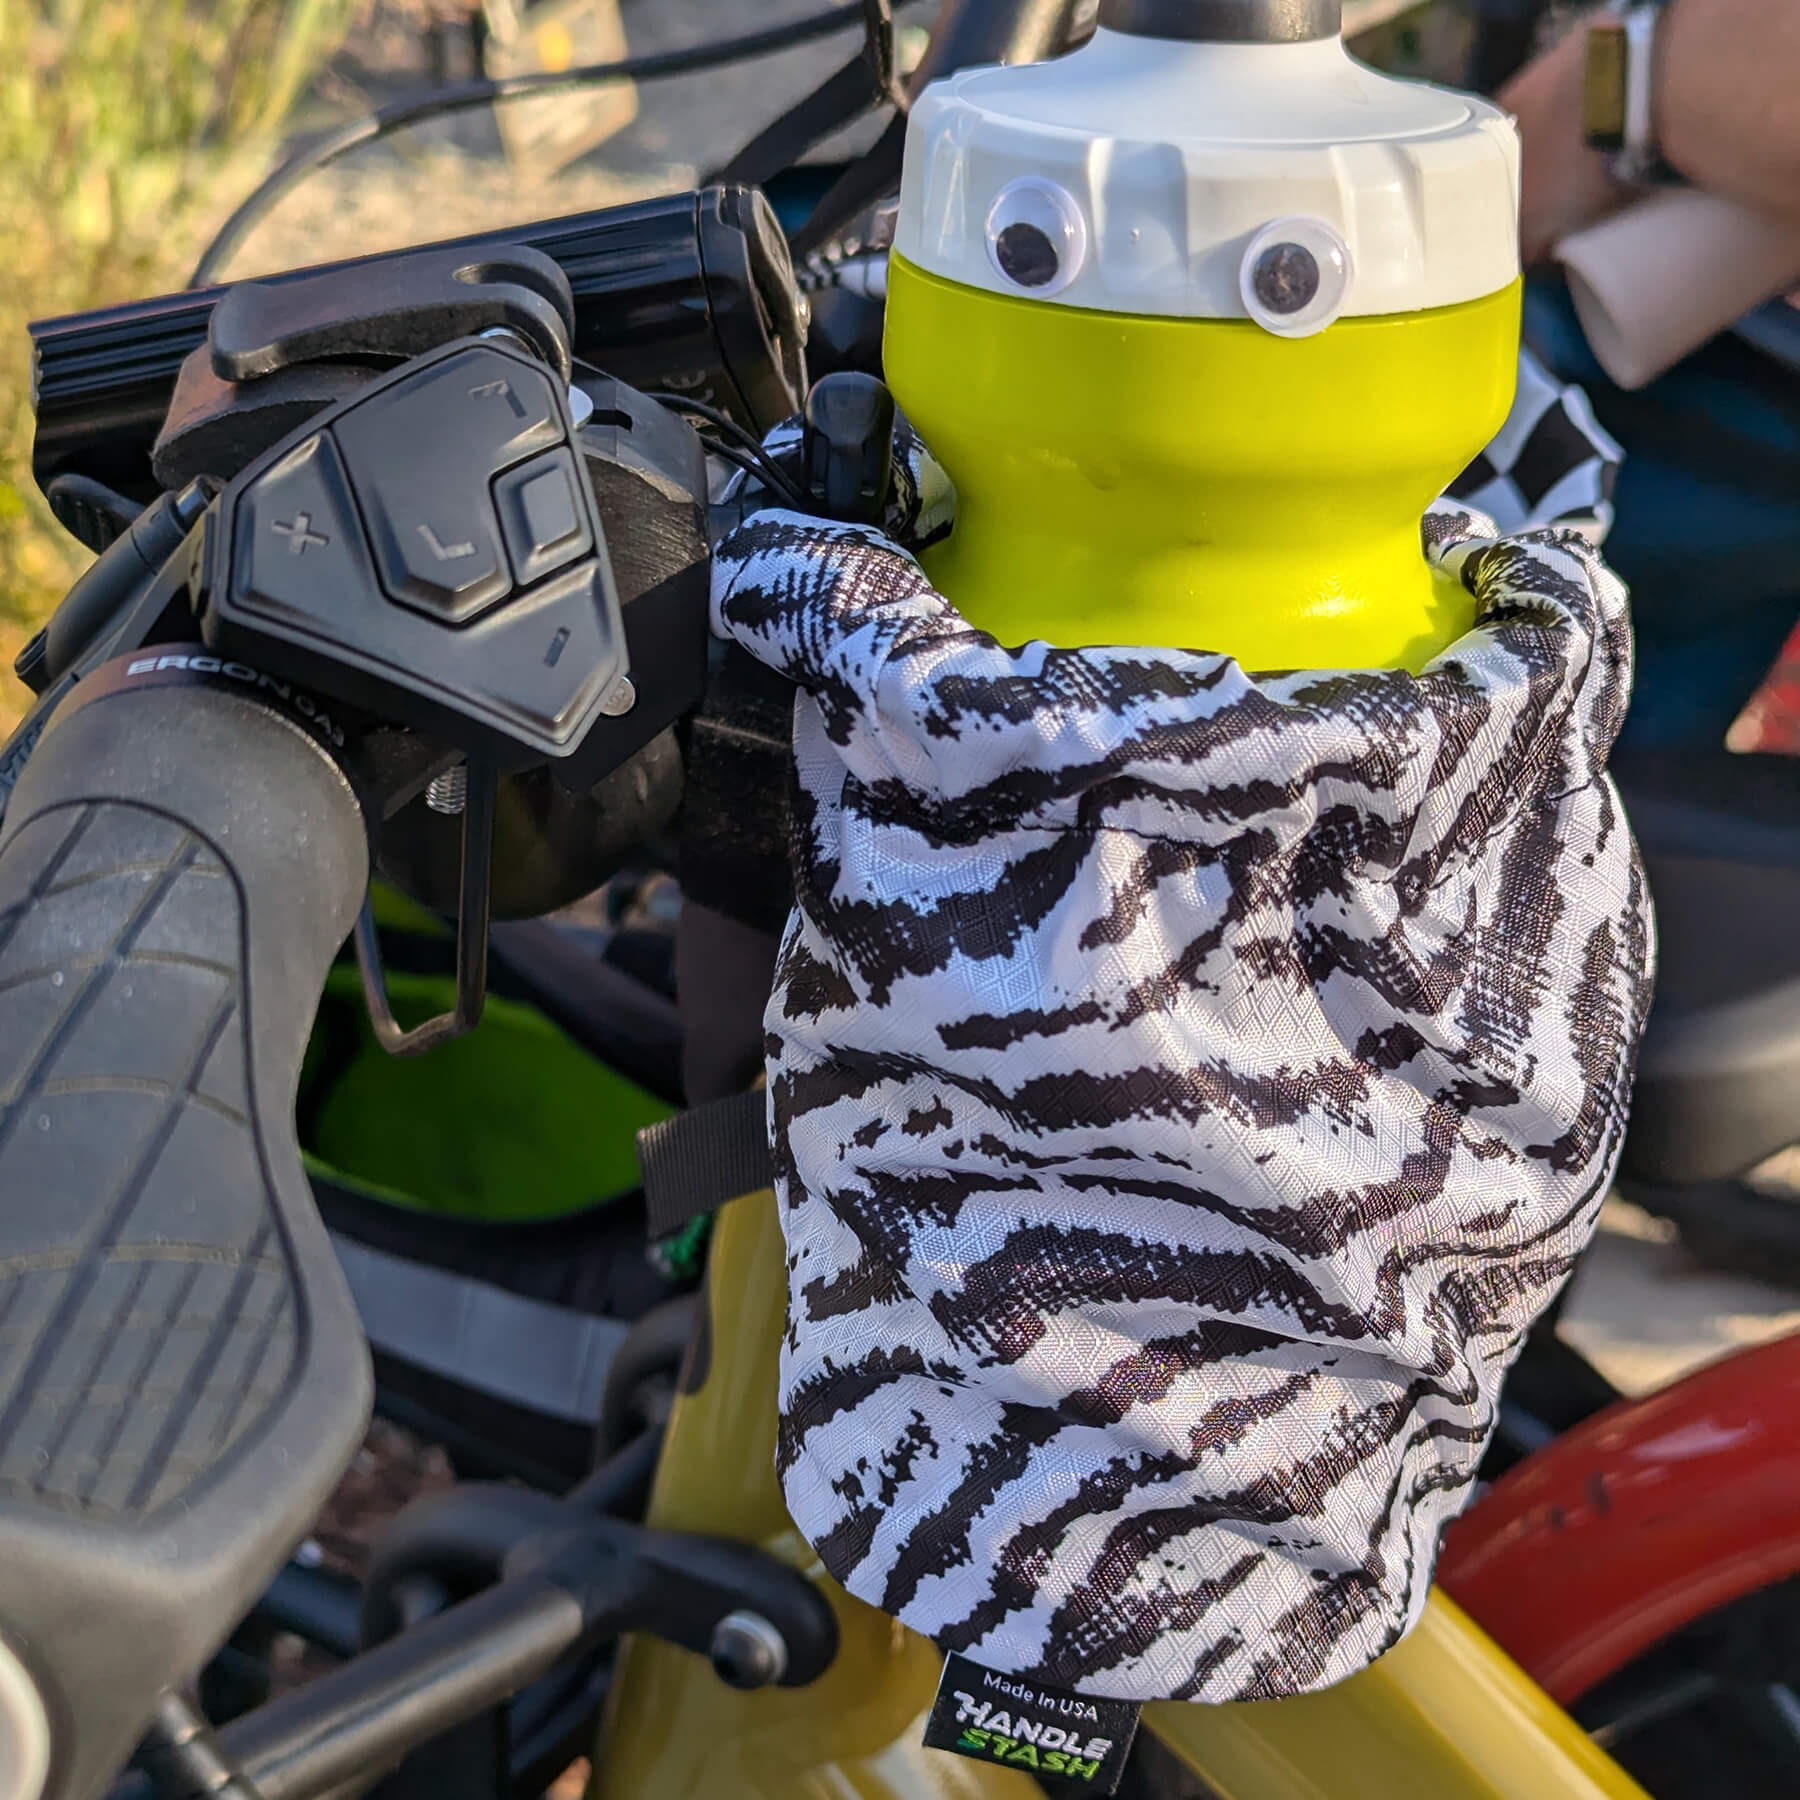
[
  {"x": 847, "y": 447},
  {"x": 401, "y": 307}
]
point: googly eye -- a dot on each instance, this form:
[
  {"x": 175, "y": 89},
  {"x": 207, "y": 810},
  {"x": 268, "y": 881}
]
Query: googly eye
[
  {"x": 1295, "y": 277},
  {"x": 1036, "y": 236}
]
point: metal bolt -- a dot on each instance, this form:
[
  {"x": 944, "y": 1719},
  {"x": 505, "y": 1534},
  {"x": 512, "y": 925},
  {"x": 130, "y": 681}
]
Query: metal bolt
[
  {"x": 449, "y": 792},
  {"x": 581, "y": 407},
  {"x": 189, "y": 504},
  {"x": 747, "y": 1651},
  {"x": 621, "y": 697},
  {"x": 504, "y": 334}
]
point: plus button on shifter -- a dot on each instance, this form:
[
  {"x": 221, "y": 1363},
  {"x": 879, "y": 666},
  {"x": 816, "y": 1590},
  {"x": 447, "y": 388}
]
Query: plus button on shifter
[{"x": 300, "y": 534}]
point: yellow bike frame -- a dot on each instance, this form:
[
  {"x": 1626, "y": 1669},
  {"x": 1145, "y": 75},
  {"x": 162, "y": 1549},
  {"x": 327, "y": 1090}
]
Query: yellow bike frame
[{"x": 1444, "y": 1716}]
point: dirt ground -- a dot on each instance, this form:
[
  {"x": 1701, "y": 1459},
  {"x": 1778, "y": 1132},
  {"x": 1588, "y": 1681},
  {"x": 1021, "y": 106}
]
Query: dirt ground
[
  {"x": 448, "y": 177},
  {"x": 1643, "y": 1311}
]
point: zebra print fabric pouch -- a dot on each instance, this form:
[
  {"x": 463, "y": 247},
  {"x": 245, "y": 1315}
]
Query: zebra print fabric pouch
[{"x": 1186, "y": 1087}]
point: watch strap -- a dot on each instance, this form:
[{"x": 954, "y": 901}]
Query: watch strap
[{"x": 1618, "y": 92}]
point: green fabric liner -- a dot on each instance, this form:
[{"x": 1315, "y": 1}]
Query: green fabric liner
[
  {"x": 510, "y": 1124},
  {"x": 395, "y": 911}
]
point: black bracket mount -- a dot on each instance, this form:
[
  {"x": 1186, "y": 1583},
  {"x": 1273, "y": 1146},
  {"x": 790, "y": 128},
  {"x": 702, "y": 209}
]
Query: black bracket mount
[{"x": 473, "y": 918}]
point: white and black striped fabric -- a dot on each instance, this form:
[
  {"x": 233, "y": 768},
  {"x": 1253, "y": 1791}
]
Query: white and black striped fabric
[{"x": 1185, "y": 1088}]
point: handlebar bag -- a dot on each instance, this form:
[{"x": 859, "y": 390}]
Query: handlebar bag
[{"x": 1186, "y": 1086}]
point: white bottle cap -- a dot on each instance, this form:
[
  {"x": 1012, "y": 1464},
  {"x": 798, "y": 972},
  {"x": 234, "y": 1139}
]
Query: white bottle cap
[{"x": 1284, "y": 182}]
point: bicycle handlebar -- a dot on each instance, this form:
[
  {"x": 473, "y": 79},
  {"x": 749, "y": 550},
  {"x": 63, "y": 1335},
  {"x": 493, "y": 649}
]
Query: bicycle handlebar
[{"x": 182, "y": 1375}]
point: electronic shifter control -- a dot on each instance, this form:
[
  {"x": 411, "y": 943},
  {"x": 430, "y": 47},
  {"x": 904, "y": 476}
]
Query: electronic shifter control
[{"x": 429, "y": 549}]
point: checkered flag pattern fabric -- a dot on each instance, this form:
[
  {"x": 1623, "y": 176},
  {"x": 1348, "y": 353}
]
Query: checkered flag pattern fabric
[{"x": 1552, "y": 462}]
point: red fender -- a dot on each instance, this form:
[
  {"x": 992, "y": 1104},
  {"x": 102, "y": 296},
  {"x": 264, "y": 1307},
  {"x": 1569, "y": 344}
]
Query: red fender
[{"x": 1637, "y": 1521}]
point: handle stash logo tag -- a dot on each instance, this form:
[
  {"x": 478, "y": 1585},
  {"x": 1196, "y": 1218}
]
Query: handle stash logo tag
[{"x": 1025, "y": 1725}]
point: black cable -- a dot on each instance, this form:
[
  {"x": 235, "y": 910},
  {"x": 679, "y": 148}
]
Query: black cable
[
  {"x": 967, "y": 33},
  {"x": 711, "y": 414},
  {"x": 762, "y": 468},
  {"x": 620, "y": 1486},
  {"x": 385, "y": 121},
  {"x": 773, "y": 475}
]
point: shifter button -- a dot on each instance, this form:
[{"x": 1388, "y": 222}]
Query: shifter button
[
  {"x": 540, "y": 516},
  {"x": 422, "y": 455},
  {"x": 297, "y": 534},
  {"x": 479, "y": 411},
  {"x": 543, "y": 663},
  {"x": 434, "y": 549}
]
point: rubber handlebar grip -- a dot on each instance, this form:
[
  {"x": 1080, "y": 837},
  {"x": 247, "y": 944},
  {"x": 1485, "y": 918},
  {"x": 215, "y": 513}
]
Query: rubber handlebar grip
[{"x": 182, "y": 1375}]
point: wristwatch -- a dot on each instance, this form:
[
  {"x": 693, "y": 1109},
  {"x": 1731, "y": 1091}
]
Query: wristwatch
[{"x": 1618, "y": 96}]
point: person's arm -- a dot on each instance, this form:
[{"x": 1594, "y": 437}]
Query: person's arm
[
  {"x": 1727, "y": 100},
  {"x": 1564, "y": 185},
  {"x": 1726, "y": 106}
]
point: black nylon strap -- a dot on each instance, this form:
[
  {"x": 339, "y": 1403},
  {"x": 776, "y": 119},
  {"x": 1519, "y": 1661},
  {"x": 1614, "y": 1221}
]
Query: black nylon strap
[
  {"x": 734, "y": 817},
  {"x": 869, "y": 179},
  {"x": 696, "y": 1161},
  {"x": 839, "y": 102}
]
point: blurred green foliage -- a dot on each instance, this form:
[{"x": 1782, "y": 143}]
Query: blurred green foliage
[{"x": 119, "y": 120}]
